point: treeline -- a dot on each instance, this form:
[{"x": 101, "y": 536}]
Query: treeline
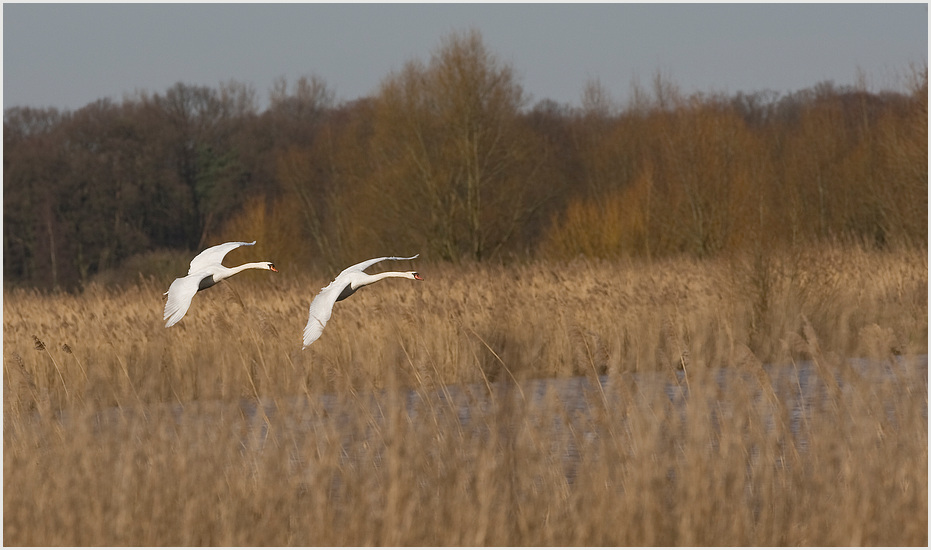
[{"x": 449, "y": 159}]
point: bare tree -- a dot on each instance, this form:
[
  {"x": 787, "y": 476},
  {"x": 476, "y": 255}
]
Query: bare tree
[{"x": 453, "y": 156}]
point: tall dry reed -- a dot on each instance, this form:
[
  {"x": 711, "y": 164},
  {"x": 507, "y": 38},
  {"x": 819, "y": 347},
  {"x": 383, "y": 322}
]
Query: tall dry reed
[{"x": 413, "y": 420}]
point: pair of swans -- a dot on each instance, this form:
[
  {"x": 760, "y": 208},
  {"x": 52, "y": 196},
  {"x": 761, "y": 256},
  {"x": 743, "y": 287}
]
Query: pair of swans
[{"x": 207, "y": 270}]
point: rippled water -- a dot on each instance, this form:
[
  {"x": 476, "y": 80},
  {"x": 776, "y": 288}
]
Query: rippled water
[{"x": 567, "y": 413}]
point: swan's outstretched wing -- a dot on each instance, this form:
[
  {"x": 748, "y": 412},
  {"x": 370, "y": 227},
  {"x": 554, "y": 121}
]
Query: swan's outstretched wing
[
  {"x": 214, "y": 255},
  {"x": 321, "y": 308},
  {"x": 180, "y": 294}
]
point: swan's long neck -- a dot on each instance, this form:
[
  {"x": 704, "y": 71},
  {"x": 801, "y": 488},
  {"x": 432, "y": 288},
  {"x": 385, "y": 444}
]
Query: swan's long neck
[
  {"x": 230, "y": 271},
  {"x": 369, "y": 279}
]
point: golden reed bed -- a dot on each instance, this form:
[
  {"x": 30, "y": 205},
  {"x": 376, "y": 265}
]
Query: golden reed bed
[{"x": 119, "y": 431}]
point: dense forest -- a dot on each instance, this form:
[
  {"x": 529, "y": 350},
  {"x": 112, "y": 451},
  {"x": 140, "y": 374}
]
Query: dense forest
[{"x": 451, "y": 159}]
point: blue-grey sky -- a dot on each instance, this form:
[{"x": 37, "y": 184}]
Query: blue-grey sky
[{"x": 68, "y": 55}]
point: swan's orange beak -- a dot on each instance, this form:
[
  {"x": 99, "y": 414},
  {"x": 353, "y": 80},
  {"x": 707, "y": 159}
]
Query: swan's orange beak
[
  {"x": 272, "y": 267},
  {"x": 418, "y": 277}
]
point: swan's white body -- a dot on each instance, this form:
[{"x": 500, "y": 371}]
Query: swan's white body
[
  {"x": 348, "y": 281},
  {"x": 206, "y": 271}
]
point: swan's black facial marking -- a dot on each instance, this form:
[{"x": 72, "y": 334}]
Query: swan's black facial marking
[
  {"x": 347, "y": 292},
  {"x": 206, "y": 282}
]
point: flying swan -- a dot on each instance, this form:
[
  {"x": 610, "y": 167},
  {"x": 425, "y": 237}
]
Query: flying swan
[
  {"x": 206, "y": 270},
  {"x": 348, "y": 281}
]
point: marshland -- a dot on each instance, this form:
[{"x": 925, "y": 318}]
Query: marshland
[
  {"x": 418, "y": 417},
  {"x": 690, "y": 320}
]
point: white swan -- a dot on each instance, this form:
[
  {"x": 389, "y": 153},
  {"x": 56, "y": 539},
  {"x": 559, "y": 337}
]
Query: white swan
[
  {"x": 206, "y": 271},
  {"x": 348, "y": 281}
]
